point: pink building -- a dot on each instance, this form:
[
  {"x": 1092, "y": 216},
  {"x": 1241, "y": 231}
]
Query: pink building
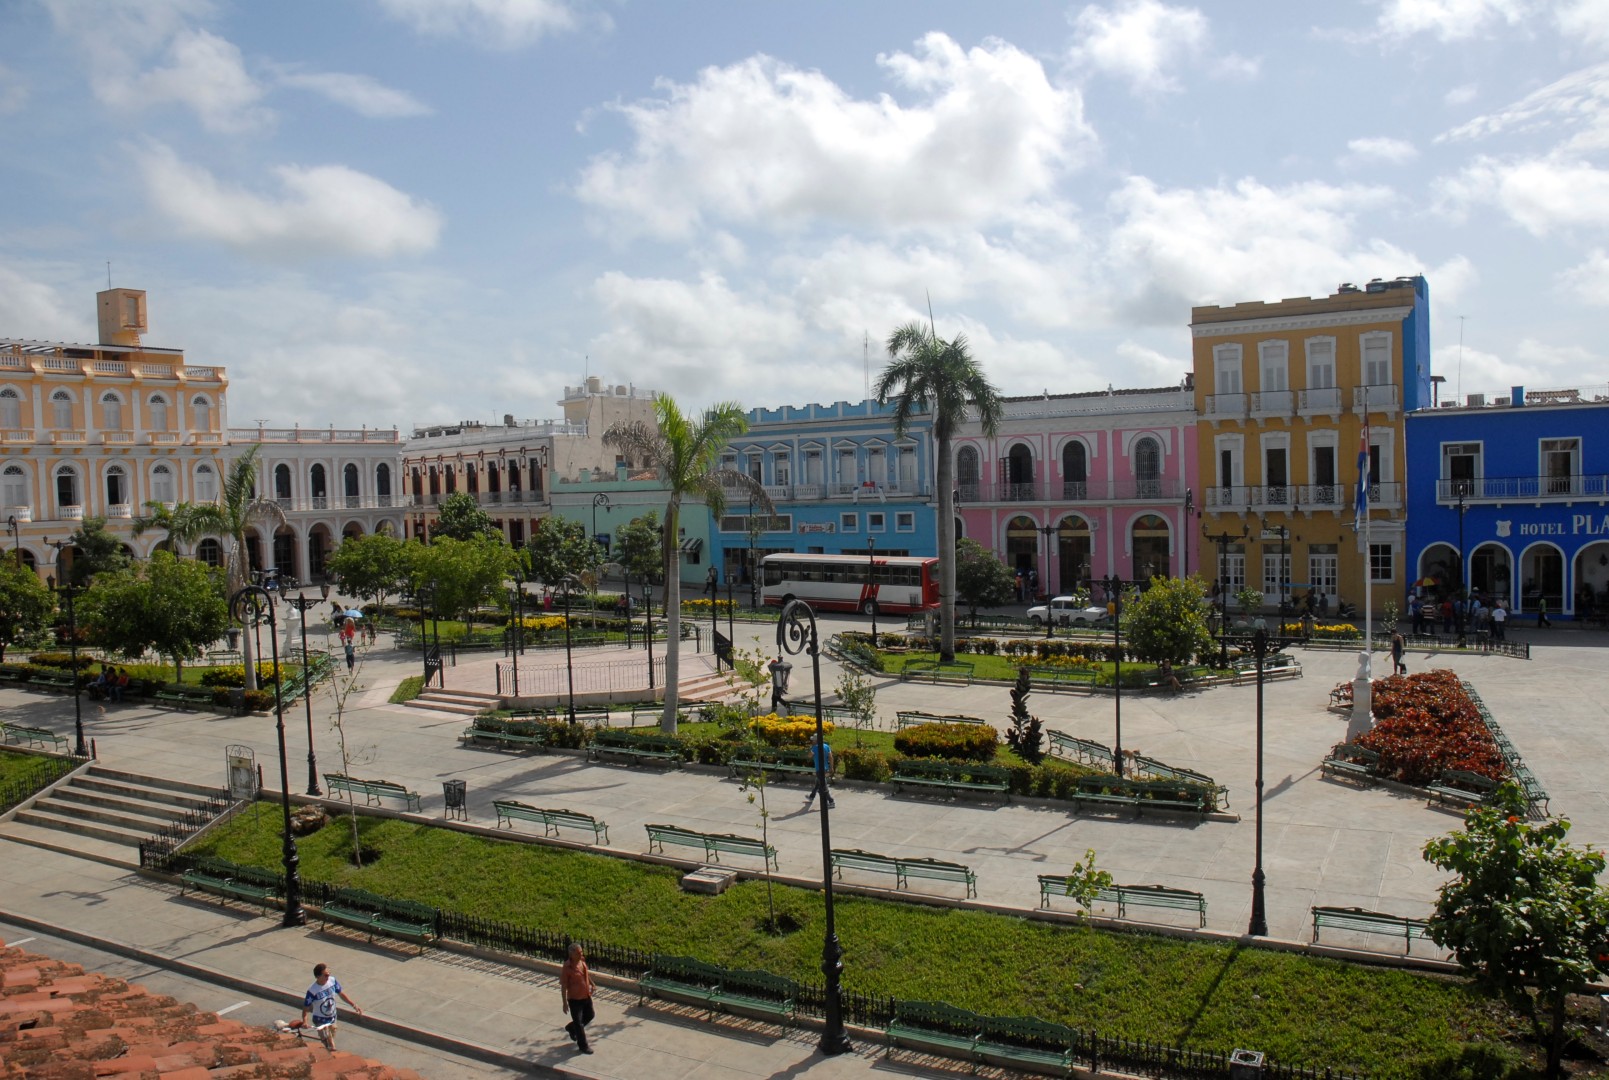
[{"x": 1080, "y": 486}]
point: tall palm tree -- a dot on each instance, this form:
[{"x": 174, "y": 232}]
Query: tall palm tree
[
  {"x": 687, "y": 455},
  {"x": 236, "y": 512},
  {"x": 185, "y": 523},
  {"x": 930, "y": 375}
]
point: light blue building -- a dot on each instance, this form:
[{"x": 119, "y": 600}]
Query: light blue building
[{"x": 841, "y": 482}]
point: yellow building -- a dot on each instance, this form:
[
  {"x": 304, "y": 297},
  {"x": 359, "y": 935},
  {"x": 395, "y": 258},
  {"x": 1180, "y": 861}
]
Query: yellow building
[{"x": 1284, "y": 394}]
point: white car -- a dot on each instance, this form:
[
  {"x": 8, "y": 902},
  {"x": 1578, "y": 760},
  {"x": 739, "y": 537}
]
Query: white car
[{"x": 1065, "y": 611}]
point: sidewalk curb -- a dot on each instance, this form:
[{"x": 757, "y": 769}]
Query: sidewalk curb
[{"x": 395, "y": 1029}]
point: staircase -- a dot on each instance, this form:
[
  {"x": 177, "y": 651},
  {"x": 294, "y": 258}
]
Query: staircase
[
  {"x": 463, "y": 702},
  {"x": 103, "y": 814}
]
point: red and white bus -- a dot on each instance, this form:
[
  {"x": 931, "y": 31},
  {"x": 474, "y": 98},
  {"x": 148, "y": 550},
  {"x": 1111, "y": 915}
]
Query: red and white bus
[{"x": 899, "y": 583}]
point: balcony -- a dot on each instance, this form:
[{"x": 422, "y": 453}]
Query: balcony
[
  {"x": 1273, "y": 496},
  {"x": 16, "y": 435},
  {"x": 70, "y": 513},
  {"x": 1321, "y": 496},
  {"x": 206, "y": 438},
  {"x": 1271, "y": 403},
  {"x": 1326, "y": 400},
  {"x": 117, "y": 438},
  {"x": 23, "y": 514},
  {"x": 67, "y": 438},
  {"x": 1592, "y": 487},
  {"x": 1226, "y": 406},
  {"x": 1237, "y": 497},
  {"x": 1380, "y": 494},
  {"x": 164, "y": 438},
  {"x": 1368, "y": 399}
]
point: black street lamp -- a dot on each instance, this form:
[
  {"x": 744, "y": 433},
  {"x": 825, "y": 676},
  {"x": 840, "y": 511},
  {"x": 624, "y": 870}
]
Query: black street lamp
[
  {"x": 796, "y": 633},
  {"x": 1262, "y": 646},
  {"x": 871, "y": 584},
  {"x": 250, "y": 606},
  {"x": 648, "y": 623},
  {"x": 517, "y": 639},
  {"x": 16, "y": 535},
  {"x": 1463, "y": 575},
  {"x": 569, "y": 664},
  {"x": 715, "y": 631},
  {"x": 1047, "y": 531},
  {"x": 304, "y": 603},
  {"x": 68, "y": 591},
  {"x": 425, "y": 593},
  {"x": 1189, "y": 509},
  {"x": 1114, "y": 607},
  {"x": 600, "y": 499},
  {"x": 754, "y": 567},
  {"x": 1223, "y": 540}
]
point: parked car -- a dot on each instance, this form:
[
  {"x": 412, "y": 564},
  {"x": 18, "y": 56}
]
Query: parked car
[{"x": 1066, "y": 611}]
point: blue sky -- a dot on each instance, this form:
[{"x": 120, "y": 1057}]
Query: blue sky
[{"x": 397, "y": 211}]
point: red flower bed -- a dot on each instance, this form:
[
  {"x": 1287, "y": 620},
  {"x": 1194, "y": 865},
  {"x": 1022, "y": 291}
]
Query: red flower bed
[{"x": 1424, "y": 725}]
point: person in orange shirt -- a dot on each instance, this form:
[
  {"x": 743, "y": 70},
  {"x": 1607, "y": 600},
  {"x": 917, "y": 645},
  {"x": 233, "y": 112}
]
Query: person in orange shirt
[{"x": 575, "y": 984}]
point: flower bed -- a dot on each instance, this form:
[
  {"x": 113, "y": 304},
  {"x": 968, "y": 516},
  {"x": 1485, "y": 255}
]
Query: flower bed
[{"x": 1426, "y": 724}]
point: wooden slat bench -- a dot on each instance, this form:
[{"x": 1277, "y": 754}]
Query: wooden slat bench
[
  {"x": 948, "y": 777},
  {"x": 912, "y": 718},
  {"x": 1091, "y": 753},
  {"x": 1460, "y": 787},
  {"x": 934, "y": 670},
  {"x": 229, "y": 882},
  {"x": 1126, "y": 896},
  {"x": 633, "y": 749},
  {"x": 34, "y": 736},
  {"x": 935, "y": 1027},
  {"x": 1161, "y": 771},
  {"x": 1351, "y": 761},
  {"x": 374, "y": 914},
  {"x": 735, "y": 990},
  {"x": 903, "y": 869},
  {"x": 186, "y": 700},
  {"x": 371, "y": 790},
  {"x": 1060, "y": 678},
  {"x": 712, "y": 844},
  {"x": 1369, "y": 922},
  {"x": 510, "y": 732},
  {"x": 509, "y": 811},
  {"x": 1026, "y": 1042},
  {"x": 773, "y": 762}
]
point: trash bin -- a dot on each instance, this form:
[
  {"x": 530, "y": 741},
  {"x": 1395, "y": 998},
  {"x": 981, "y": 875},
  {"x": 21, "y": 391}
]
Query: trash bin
[
  {"x": 1246, "y": 1065},
  {"x": 455, "y": 792},
  {"x": 237, "y": 701}
]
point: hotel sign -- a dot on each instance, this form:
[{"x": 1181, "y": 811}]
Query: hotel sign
[{"x": 817, "y": 527}]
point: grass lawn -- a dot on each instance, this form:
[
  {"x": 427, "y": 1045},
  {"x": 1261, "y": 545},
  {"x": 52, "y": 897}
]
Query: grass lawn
[
  {"x": 1298, "y": 1009},
  {"x": 1003, "y": 668},
  {"x": 843, "y": 738},
  {"x": 19, "y": 767}
]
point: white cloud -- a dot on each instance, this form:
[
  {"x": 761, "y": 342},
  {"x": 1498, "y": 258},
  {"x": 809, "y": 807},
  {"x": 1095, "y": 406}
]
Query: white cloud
[
  {"x": 1460, "y": 95},
  {"x": 1380, "y": 148},
  {"x": 1590, "y": 280},
  {"x": 765, "y": 143},
  {"x": 1453, "y": 20},
  {"x": 32, "y": 309},
  {"x": 205, "y": 73},
  {"x": 498, "y": 24},
  {"x": 13, "y": 91},
  {"x": 321, "y": 210},
  {"x": 1579, "y": 102},
  {"x": 1541, "y": 194},
  {"x": 360, "y": 93},
  {"x": 1584, "y": 20},
  {"x": 1140, "y": 41},
  {"x": 1149, "y": 367}
]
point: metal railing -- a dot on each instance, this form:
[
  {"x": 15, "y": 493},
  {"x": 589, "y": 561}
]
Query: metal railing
[{"x": 1510, "y": 488}]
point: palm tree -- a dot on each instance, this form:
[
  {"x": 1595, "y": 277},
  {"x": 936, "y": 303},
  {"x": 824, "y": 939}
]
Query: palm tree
[
  {"x": 687, "y": 456},
  {"x": 930, "y": 375},
  {"x": 185, "y": 523},
  {"x": 233, "y": 515}
]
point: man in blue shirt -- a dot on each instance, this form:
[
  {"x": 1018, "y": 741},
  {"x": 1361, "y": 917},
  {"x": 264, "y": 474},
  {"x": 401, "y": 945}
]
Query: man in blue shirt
[
  {"x": 821, "y": 760},
  {"x": 319, "y": 1004}
]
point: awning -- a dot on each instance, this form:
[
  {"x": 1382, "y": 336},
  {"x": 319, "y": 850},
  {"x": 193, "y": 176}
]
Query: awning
[{"x": 692, "y": 546}]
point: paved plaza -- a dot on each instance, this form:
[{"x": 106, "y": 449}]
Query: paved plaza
[{"x": 1325, "y": 842}]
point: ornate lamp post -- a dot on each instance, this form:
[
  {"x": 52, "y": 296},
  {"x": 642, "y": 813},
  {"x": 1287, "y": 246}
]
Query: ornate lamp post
[
  {"x": 250, "y": 606},
  {"x": 871, "y": 584},
  {"x": 1223, "y": 540},
  {"x": 1189, "y": 509},
  {"x": 1047, "y": 531},
  {"x": 16, "y": 535},
  {"x": 569, "y": 665},
  {"x": 68, "y": 591},
  {"x": 796, "y": 633},
  {"x": 648, "y": 623},
  {"x": 1114, "y": 607},
  {"x": 600, "y": 499},
  {"x": 517, "y": 640},
  {"x": 1262, "y": 645},
  {"x": 303, "y": 603}
]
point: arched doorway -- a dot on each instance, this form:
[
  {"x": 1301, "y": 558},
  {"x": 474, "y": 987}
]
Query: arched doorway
[
  {"x": 1541, "y": 578},
  {"x": 966, "y": 474},
  {"x": 1074, "y": 552},
  {"x": 210, "y": 552},
  {"x": 285, "y": 551},
  {"x": 1017, "y": 475},
  {"x": 1147, "y": 468},
  {"x": 319, "y": 545},
  {"x": 1491, "y": 572},
  {"x": 1149, "y": 540},
  {"x": 1074, "y": 471},
  {"x": 1022, "y": 544},
  {"x": 1439, "y": 564},
  {"x": 1591, "y": 577}
]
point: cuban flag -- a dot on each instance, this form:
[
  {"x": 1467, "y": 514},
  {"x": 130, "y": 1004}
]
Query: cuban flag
[{"x": 1361, "y": 510}]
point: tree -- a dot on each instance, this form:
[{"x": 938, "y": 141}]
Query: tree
[
  {"x": 1026, "y": 734},
  {"x": 637, "y": 546},
  {"x": 175, "y": 606},
  {"x": 96, "y": 551},
  {"x": 1523, "y": 910},
  {"x": 981, "y": 580},
  {"x": 185, "y": 523},
  {"x": 687, "y": 455},
  {"x": 560, "y": 549},
  {"x": 25, "y": 604},
  {"x": 1168, "y": 621},
  {"x": 464, "y": 574},
  {"x": 461, "y": 518},
  {"x": 234, "y": 516},
  {"x": 929, "y": 374},
  {"x": 371, "y": 567}
]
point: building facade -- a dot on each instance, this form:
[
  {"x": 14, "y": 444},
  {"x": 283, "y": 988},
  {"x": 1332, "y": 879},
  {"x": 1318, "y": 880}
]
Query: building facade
[
  {"x": 1521, "y": 483},
  {"x": 1288, "y": 395}
]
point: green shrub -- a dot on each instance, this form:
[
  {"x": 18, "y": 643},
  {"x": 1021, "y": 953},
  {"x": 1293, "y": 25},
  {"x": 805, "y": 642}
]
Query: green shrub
[
  {"x": 973, "y": 742},
  {"x": 235, "y": 675},
  {"x": 59, "y": 660},
  {"x": 862, "y": 763}
]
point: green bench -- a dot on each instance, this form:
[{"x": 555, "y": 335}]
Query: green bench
[
  {"x": 1162, "y": 771},
  {"x": 903, "y": 869},
  {"x": 1126, "y": 896},
  {"x": 508, "y": 811},
  {"x": 785, "y": 762},
  {"x": 1369, "y": 922},
  {"x": 1534, "y": 792},
  {"x": 712, "y": 844},
  {"x": 371, "y": 790},
  {"x": 934, "y": 670},
  {"x": 1278, "y": 666},
  {"x": 511, "y": 732},
  {"x": 651, "y": 717},
  {"x": 936, "y": 1028},
  {"x": 230, "y": 882},
  {"x": 951, "y": 776},
  {"x": 34, "y": 736},
  {"x": 1025, "y": 1042},
  {"x": 1351, "y": 761},
  {"x": 374, "y": 914},
  {"x": 912, "y": 718},
  {"x": 1090, "y": 753},
  {"x": 1138, "y": 795},
  {"x": 1463, "y": 788},
  {"x": 718, "y": 989},
  {"x": 634, "y": 748},
  {"x": 1055, "y": 678},
  {"x": 186, "y": 699},
  {"x": 53, "y": 681}
]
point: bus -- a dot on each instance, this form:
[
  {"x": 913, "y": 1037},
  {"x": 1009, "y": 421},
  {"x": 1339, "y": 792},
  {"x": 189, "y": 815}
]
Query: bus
[{"x": 898, "y": 583}]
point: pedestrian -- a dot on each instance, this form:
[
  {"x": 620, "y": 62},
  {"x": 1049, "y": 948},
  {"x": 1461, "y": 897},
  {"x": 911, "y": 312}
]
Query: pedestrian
[
  {"x": 1323, "y": 604},
  {"x": 1542, "y": 612},
  {"x": 121, "y": 685},
  {"x": 575, "y": 985},
  {"x": 821, "y": 761},
  {"x": 1416, "y": 615},
  {"x": 349, "y": 630},
  {"x": 1398, "y": 646},
  {"x": 319, "y": 1004},
  {"x": 1033, "y": 584},
  {"x": 1499, "y": 618},
  {"x": 709, "y": 583},
  {"x": 351, "y": 655},
  {"x": 369, "y": 631},
  {"x": 780, "y": 669},
  {"x": 1307, "y": 625},
  {"x": 1446, "y": 616}
]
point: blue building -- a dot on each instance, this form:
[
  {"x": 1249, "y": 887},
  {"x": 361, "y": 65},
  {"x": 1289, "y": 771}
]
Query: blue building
[
  {"x": 841, "y": 482},
  {"x": 1521, "y": 483}
]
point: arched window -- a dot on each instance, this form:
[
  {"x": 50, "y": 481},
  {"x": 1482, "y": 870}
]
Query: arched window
[
  {"x": 61, "y": 407},
  {"x": 282, "y": 484},
  {"x": 10, "y": 408},
  {"x": 111, "y": 412},
  {"x": 206, "y": 484},
  {"x": 116, "y": 486},
  {"x": 1017, "y": 475},
  {"x": 67, "y": 487},
  {"x": 349, "y": 485},
  {"x": 162, "y": 484},
  {"x": 320, "y": 486},
  {"x": 1074, "y": 471},
  {"x": 14, "y": 486},
  {"x": 201, "y": 410},
  {"x": 159, "y": 412},
  {"x": 966, "y": 473},
  {"x": 1148, "y": 468},
  {"x": 382, "y": 483},
  {"x": 210, "y": 552}
]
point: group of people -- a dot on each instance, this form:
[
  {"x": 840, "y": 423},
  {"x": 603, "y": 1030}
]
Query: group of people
[
  {"x": 112, "y": 683},
  {"x": 1027, "y": 584},
  {"x": 1457, "y": 615}
]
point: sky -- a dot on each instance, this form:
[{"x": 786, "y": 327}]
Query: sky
[{"x": 398, "y": 212}]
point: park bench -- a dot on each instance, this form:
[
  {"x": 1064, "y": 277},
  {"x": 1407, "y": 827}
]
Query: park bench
[
  {"x": 1352, "y": 761},
  {"x": 1534, "y": 791},
  {"x": 785, "y": 762},
  {"x": 935, "y": 1027},
  {"x": 1104, "y": 791},
  {"x": 1026, "y": 1042},
  {"x": 371, "y": 790},
  {"x": 227, "y": 881},
  {"x": 186, "y": 699},
  {"x": 1278, "y": 666},
  {"x": 1461, "y": 787},
  {"x": 1057, "y": 678},
  {"x": 1186, "y": 795},
  {"x": 903, "y": 869},
  {"x": 510, "y": 732},
  {"x": 34, "y": 736},
  {"x": 219, "y": 657},
  {"x": 713, "y": 844},
  {"x": 718, "y": 989},
  {"x": 1369, "y": 922},
  {"x": 508, "y": 811},
  {"x": 935, "y": 670},
  {"x": 373, "y": 914},
  {"x": 1091, "y": 753},
  {"x": 1161, "y": 771},
  {"x": 1341, "y": 696},
  {"x": 911, "y": 718},
  {"x": 54, "y": 680},
  {"x": 1126, "y": 896},
  {"x": 951, "y": 776},
  {"x": 650, "y": 716},
  {"x": 634, "y": 748}
]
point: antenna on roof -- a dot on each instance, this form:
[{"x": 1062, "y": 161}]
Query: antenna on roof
[{"x": 931, "y": 324}]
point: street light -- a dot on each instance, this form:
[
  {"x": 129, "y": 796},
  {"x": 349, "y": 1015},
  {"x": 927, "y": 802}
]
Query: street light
[
  {"x": 1047, "y": 531},
  {"x": 1262, "y": 644},
  {"x": 248, "y": 606},
  {"x": 1189, "y": 508},
  {"x": 1223, "y": 540},
  {"x": 754, "y": 569},
  {"x": 871, "y": 584},
  {"x": 517, "y": 640},
  {"x": 796, "y": 633},
  {"x": 648, "y": 623},
  {"x": 1114, "y": 607},
  {"x": 16, "y": 535},
  {"x": 569, "y": 666},
  {"x": 600, "y": 499},
  {"x": 67, "y": 590},
  {"x": 303, "y": 603}
]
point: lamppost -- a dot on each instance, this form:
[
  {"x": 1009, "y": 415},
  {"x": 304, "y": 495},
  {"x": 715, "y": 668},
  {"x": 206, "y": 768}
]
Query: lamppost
[
  {"x": 67, "y": 591},
  {"x": 715, "y": 615},
  {"x": 754, "y": 568},
  {"x": 569, "y": 666},
  {"x": 648, "y": 623},
  {"x": 796, "y": 633},
  {"x": 1463, "y": 574},
  {"x": 425, "y": 593},
  {"x": 600, "y": 499},
  {"x": 304, "y": 603},
  {"x": 871, "y": 584},
  {"x": 249, "y": 606},
  {"x": 1047, "y": 531},
  {"x": 517, "y": 640},
  {"x": 1262, "y": 645},
  {"x": 1189, "y": 509},
  {"x": 16, "y": 535},
  {"x": 1223, "y": 540},
  {"x": 1114, "y": 607}
]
